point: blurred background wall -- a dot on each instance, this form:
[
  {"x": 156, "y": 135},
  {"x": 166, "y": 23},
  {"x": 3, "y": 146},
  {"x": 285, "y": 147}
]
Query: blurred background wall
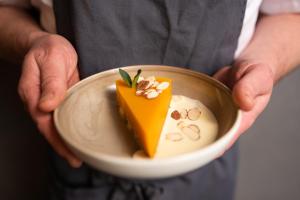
[
  {"x": 23, "y": 156},
  {"x": 269, "y": 159},
  {"x": 270, "y": 150}
]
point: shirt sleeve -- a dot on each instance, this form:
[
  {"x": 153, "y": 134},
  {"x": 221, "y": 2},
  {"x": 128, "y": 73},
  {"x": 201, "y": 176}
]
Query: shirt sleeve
[
  {"x": 21, "y": 3},
  {"x": 280, "y": 6}
]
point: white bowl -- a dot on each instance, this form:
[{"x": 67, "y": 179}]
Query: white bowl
[{"x": 89, "y": 123}]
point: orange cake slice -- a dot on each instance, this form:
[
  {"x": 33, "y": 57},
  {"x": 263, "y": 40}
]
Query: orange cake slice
[{"x": 145, "y": 105}]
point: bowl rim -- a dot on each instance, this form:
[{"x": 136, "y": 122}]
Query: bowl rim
[{"x": 221, "y": 142}]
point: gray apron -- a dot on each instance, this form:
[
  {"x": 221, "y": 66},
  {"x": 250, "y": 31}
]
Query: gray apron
[{"x": 196, "y": 34}]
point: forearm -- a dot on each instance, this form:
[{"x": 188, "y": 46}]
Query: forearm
[
  {"x": 18, "y": 30},
  {"x": 276, "y": 41}
]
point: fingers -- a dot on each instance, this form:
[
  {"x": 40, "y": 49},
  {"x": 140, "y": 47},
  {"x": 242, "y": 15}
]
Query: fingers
[
  {"x": 249, "y": 117},
  {"x": 29, "y": 87},
  {"x": 29, "y": 91},
  {"x": 53, "y": 83},
  {"x": 247, "y": 82},
  {"x": 251, "y": 89},
  {"x": 253, "y": 82},
  {"x": 45, "y": 125},
  {"x": 222, "y": 75},
  {"x": 74, "y": 78},
  {"x": 49, "y": 68}
]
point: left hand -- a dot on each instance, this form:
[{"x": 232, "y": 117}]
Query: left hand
[
  {"x": 251, "y": 84},
  {"x": 49, "y": 69}
]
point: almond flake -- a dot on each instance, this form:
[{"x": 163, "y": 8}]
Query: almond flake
[
  {"x": 181, "y": 124},
  {"x": 183, "y": 113},
  {"x": 143, "y": 85},
  {"x": 163, "y": 85},
  {"x": 191, "y": 133},
  {"x": 175, "y": 115},
  {"x": 194, "y": 127},
  {"x": 159, "y": 91},
  {"x": 152, "y": 95},
  {"x": 155, "y": 84},
  {"x": 194, "y": 114},
  {"x": 175, "y": 137},
  {"x": 139, "y": 92},
  {"x": 140, "y": 79},
  {"x": 148, "y": 91}
]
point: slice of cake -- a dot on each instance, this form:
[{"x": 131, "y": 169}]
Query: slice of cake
[{"x": 144, "y": 102}]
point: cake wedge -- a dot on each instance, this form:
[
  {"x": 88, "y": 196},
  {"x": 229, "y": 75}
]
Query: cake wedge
[{"x": 144, "y": 103}]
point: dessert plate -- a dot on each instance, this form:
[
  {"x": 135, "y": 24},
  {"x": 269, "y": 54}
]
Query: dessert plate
[{"x": 89, "y": 123}]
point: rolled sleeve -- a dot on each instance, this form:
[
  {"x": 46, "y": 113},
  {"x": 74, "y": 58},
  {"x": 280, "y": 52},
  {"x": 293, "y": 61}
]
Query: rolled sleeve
[{"x": 280, "y": 6}]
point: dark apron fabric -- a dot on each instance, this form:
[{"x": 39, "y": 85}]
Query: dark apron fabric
[
  {"x": 197, "y": 34},
  {"x": 214, "y": 181}
]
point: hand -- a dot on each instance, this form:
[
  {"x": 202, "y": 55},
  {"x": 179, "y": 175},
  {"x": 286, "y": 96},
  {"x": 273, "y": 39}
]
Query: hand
[
  {"x": 251, "y": 85},
  {"x": 49, "y": 69}
]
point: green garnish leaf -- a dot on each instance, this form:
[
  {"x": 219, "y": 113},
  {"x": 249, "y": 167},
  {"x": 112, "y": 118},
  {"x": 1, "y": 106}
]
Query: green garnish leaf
[
  {"x": 136, "y": 78},
  {"x": 125, "y": 76}
]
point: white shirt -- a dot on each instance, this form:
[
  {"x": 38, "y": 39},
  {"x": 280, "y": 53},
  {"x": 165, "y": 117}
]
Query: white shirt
[{"x": 47, "y": 18}]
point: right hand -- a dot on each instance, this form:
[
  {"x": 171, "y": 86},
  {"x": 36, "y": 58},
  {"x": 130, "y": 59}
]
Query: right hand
[{"x": 49, "y": 69}]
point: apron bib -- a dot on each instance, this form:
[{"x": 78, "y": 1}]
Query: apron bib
[{"x": 197, "y": 34}]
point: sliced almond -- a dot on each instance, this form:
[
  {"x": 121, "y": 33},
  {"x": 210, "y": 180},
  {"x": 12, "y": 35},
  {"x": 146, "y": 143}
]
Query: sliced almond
[
  {"x": 175, "y": 137},
  {"x": 148, "y": 91},
  {"x": 143, "y": 85},
  {"x": 194, "y": 114},
  {"x": 155, "y": 84},
  {"x": 183, "y": 113},
  {"x": 181, "y": 124},
  {"x": 159, "y": 91},
  {"x": 140, "y": 79},
  {"x": 191, "y": 133},
  {"x": 163, "y": 85},
  {"x": 175, "y": 115},
  {"x": 194, "y": 127},
  {"x": 152, "y": 95},
  {"x": 139, "y": 92}
]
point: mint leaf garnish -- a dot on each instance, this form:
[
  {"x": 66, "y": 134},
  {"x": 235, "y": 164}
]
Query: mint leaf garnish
[
  {"x": 125, "y": 76},
  {"x": 136, "y": 78}
]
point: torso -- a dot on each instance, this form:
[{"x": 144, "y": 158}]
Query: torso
[{"x": 47, "y": 19}]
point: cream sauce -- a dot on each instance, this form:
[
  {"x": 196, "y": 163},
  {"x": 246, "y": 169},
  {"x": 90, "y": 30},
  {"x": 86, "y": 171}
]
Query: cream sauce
[{"x": 207, "y": 124}]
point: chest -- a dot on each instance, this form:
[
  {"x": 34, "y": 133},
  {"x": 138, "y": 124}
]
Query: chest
[{"x": 198, "y": 34}]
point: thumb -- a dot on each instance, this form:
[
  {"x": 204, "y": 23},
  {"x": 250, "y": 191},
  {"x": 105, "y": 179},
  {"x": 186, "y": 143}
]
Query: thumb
[
  {"x": 53, "y": 85},
  {"x": 255, "y": 81},
  {"x": 222, "y": 75}
]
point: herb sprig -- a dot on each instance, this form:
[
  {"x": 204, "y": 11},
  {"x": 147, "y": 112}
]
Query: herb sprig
[{"x": 127, "y": 79}]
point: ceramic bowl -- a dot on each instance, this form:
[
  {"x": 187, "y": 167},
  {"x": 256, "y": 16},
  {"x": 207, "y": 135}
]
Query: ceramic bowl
[{"x": 89, "y": 123}]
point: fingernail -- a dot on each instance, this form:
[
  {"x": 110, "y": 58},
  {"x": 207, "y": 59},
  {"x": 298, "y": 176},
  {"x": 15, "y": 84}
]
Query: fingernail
[
  {"x": 47, "y": 97},
  {"x": 248, "y": 100}
]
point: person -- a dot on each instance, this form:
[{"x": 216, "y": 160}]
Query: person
[{"x": 248, "y": 45}]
